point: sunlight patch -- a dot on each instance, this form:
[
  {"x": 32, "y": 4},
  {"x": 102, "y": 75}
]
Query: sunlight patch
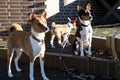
[{"x": 67, "y": 2}]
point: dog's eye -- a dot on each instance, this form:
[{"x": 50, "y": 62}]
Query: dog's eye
[{"x": 39, "y": 24}]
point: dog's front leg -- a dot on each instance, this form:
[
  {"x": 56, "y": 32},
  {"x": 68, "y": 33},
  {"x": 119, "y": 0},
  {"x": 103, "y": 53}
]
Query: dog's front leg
[
  {"x": 31, "y": 70},
  {"x": 89, "y": 47},
  {"x": 65, "y": 40},
  {"x": 42, "y": 68},
  {"x": 51, "y": 41},
  {"x": 81, "y": 48}
]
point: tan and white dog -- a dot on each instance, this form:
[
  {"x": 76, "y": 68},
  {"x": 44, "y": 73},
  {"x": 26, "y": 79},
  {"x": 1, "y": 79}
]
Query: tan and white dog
[
  {"x": 59, "y": 31},
  {"x": 32, "y": 43}
]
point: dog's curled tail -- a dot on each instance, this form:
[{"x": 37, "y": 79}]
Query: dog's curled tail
[
  {"x": 53, "y": 24},
  {"x": 15, "y": 27}
]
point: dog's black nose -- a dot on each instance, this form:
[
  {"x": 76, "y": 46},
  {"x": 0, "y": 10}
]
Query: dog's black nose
[{"x": 46, "y": 28}]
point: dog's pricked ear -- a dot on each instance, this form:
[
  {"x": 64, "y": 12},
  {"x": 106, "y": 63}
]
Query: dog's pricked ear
[
  {"x": 69, "y": 19},
  {"x": 88, "y": 6},
  {"x": 32, "y": 16},
  {"x": 44, "y": 14},
  {"x": 79, "y": 8},
  {"x": 75, "y": 19}
]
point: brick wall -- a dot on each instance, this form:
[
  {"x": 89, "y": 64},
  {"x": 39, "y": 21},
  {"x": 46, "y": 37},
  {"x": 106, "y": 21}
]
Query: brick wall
[{"x": 18, "y": 11}]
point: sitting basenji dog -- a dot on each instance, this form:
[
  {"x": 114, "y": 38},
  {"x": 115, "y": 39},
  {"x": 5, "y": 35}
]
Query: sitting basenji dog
[
  {"x": 32, "y": 43},
  {"x": 62, "y": 30},
  {"x": 84, "y": 32}
]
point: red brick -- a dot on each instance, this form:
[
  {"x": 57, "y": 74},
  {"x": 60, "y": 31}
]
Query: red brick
[
  {"x": 3, "y": 10},
  {"x": 16, "y": 14},
  {"x": 6, "y": 24},
  {"x": 16, "y": 20},
  {"x": 40, "y": 8},
  {"x": 13, "y": 3},
  {"x": 13, "y": 10},
  {"x": 24, "y": 3},
  {"x": 3, "y": 17},
  {"x": 16, "y": 0},
  {"x": 4, "y": 21},
  {"x": 25, "y": 17},
  {"x": 3, "y": 6},
  {"x": 24, "y": 10},
  {"x": 3, "y": 0},
  {"x": 2, "y": 3},
  {"x": 4, "y": 14},
  {"x": 15, "y": 6},
  {"x": 14, "y": 17},
  {"x": 1, "y": 28}
]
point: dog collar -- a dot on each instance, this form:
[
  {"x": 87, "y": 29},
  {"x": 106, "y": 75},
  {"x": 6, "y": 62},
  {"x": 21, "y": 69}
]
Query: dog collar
[
  {"x": 69, "y": 24},
  {"x": 39, "y": 40},
  {"x": 82, "y": 21},
  {"x": 84, "y": 25}
]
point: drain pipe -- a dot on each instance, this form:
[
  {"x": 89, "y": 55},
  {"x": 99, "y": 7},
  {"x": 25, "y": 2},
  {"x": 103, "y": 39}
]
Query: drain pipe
[{"x": 111, "y": 45}]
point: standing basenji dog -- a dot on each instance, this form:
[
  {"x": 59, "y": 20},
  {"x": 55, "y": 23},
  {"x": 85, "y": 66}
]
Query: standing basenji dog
[
  {"x": 84, "y": 32},
  {"x": 32, "y": 43},
  {"x": 62, "y": 30}
]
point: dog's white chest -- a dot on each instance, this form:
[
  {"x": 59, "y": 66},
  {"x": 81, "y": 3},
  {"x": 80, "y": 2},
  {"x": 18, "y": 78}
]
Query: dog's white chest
[
  {"x": 37, "y": 47},
  {"x": 86, "y": 33}
]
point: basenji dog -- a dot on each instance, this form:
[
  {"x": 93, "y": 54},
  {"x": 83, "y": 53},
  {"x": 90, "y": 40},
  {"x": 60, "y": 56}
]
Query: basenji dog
[
  {"x": 62, "y": 30},
  {"x": 32, "y": 43},
  {"x": 84, "y": 32}
]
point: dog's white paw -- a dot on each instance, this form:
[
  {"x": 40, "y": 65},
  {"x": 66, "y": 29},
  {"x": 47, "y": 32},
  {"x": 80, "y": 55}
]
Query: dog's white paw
[
  {"x": 31, "y": 78},
  {"x": 18, "y": 70},
  {"x": 82, "y": 54},
  {"x": 61, "y": 45},
  {"x": 10, "y": 75},
  {"x": 45, "y": 78},
  {"x": 52, "y": 46},
  {"x": 75, "y": 52}
]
